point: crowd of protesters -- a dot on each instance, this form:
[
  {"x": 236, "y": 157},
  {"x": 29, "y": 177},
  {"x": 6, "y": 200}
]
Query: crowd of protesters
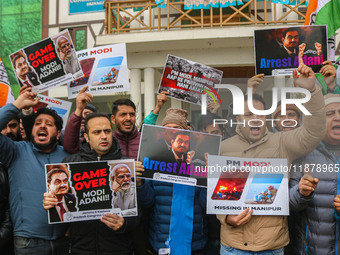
[{"x": 311, "y": 228}]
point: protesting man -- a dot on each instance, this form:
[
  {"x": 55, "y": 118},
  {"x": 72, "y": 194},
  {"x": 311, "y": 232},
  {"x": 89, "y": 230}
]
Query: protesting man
[
  {"x": 58, "y": 186},
  {"x": 268, "y": 234},
  {"x": 12, "y": 129},
  {"x": 110, "y": 235},
  {"x": 314, "y": 190},
  {"x": 25, "y": 162}
]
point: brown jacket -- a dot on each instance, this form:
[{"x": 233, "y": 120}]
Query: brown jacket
[{"x": 271, "y": 232}]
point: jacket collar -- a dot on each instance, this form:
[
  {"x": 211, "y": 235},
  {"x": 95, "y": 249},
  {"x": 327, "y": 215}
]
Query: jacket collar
[
  {"x": 90, "y": 155},
  {"x": 263, "y": 139},
  {"x": 131, "y": 136}
]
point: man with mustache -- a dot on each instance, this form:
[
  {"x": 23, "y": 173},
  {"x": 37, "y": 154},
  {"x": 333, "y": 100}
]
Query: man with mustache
[
  {"x": 22, "y": 71},
  {"x": 290, "y": 40},
  {"x": 58, "y": 186},
  {"x": 6, "y": 229},
  {"x": 247, "y": 234},
  {"x": 25, "y": 162},
  {"x": 12, "y": 129},
  {"x": 314, "y": 190},
  {"x": 123, "y": 116},
  {"x": 111, "y": 234},
  {"x": 67, "y": 54},
  {"x": 180, "y": 146},
  {"x": 123, "y": 193}
]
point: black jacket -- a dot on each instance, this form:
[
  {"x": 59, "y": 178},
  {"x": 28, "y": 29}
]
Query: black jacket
[
  {"x": 94, "y": 237},
  {"x": 6, "y": 230}
]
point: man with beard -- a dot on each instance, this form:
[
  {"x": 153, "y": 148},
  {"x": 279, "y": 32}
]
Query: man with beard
[
  {"x": 111, "y": 234},
  {"x": 12, "y": 129},
  {"x": 58, "y": 186},
  {"x": 6, "y": 229},
  {"x": 123, "y": 192},
  {"x": 67, "y": 54},
  {"x": 22, "y": 71},
  {"x": 25, "y": 162},
  {"x": 123, "y": 116}
]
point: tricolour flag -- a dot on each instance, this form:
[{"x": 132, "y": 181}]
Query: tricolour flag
[
  {"x": 6, "y": 95},
  {"x": 325, "y": 12}
]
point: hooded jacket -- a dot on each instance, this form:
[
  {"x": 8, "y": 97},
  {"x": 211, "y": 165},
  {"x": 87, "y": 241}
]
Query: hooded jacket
[
  {"x": 271, "y": 232},
  {"x": 94, "y": 237}
]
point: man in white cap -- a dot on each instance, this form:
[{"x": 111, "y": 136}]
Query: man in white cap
[{"x": 314, "y": 190}]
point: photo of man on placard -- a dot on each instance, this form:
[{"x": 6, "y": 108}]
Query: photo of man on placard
[{"x": 58, "y": 185}]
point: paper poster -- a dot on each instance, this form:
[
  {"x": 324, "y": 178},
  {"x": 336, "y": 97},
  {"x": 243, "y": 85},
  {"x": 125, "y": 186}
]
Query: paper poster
[
  {"x": 105, "y": 71},
  {"x": 277, "y": 50},
  {"x": 176, "y": 155},
  {"x": 46, "y": 64},
  {"x": 235, "y": 184},
  {"x": 88, "y": 190},
  {"x": 187, "y": 80},
  {"x": 62, "y": 107}
]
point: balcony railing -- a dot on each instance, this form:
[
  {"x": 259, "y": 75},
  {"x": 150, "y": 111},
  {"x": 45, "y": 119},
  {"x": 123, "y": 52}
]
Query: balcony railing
[{"x": 144, "y": 15}]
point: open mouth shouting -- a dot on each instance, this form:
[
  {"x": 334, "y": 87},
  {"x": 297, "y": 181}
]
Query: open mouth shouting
[
  {"x": 42, "y": 135},
  {"x": 255, "y": 130}
]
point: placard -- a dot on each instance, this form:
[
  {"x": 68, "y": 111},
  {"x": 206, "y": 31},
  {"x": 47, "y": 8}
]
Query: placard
[
  {"x": 176, "y": 155},
  {"x": 62, "y": 107},
  {"x": 277, "y": 50},
  {"x": 105, "y": 71},
  {"x": 46, "y": 64},
  {"x": 235, "y": 184},
  {"x": 187, "y": 80},
  {"x": 88, "y": 190}
]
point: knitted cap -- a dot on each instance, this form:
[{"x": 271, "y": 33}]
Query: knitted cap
[
  {"x": 176, "y": 116},
  {"x": 331, "y": 98},
  {"x": 288, "y": 107}
]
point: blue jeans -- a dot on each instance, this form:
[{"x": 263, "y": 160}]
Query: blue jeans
[
  {"x": 38, "y": 246},
  {"x": 225, "y": 250}
]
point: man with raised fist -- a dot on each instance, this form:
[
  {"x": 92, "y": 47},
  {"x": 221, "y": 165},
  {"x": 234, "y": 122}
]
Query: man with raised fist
[{"x": 314, "y": 190}]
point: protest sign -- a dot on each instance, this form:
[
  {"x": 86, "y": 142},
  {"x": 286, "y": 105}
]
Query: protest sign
[
  {"x": 88, "y": 190},
  {"x": 235, "y": 184},
  {"x": 60, "y": 106},
  {"x": 187, "y": 80},
  {"x": 47, "y": 64},
  {"x": 105, "y": 71},
  {"x": 176, "y": 155},
  {"x": 277, "y": 50}
]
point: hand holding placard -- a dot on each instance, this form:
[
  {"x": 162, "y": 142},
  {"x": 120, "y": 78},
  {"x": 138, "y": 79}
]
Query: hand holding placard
[
  {"x": 239, "y": 220},
  {"x": 49, "y": 201}
]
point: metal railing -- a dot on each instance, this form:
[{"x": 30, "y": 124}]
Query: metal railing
[{"x": 144, "y": 15}]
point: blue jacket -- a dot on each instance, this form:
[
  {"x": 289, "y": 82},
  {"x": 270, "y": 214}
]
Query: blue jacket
[
  {"x": 158, "y": 195},
  {"x": 26, "y": 169},
  {"x": 316, "y": 223}
]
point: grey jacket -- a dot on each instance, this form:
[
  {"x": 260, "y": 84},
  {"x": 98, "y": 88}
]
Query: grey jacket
[{"x": 316, "y": 222}]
